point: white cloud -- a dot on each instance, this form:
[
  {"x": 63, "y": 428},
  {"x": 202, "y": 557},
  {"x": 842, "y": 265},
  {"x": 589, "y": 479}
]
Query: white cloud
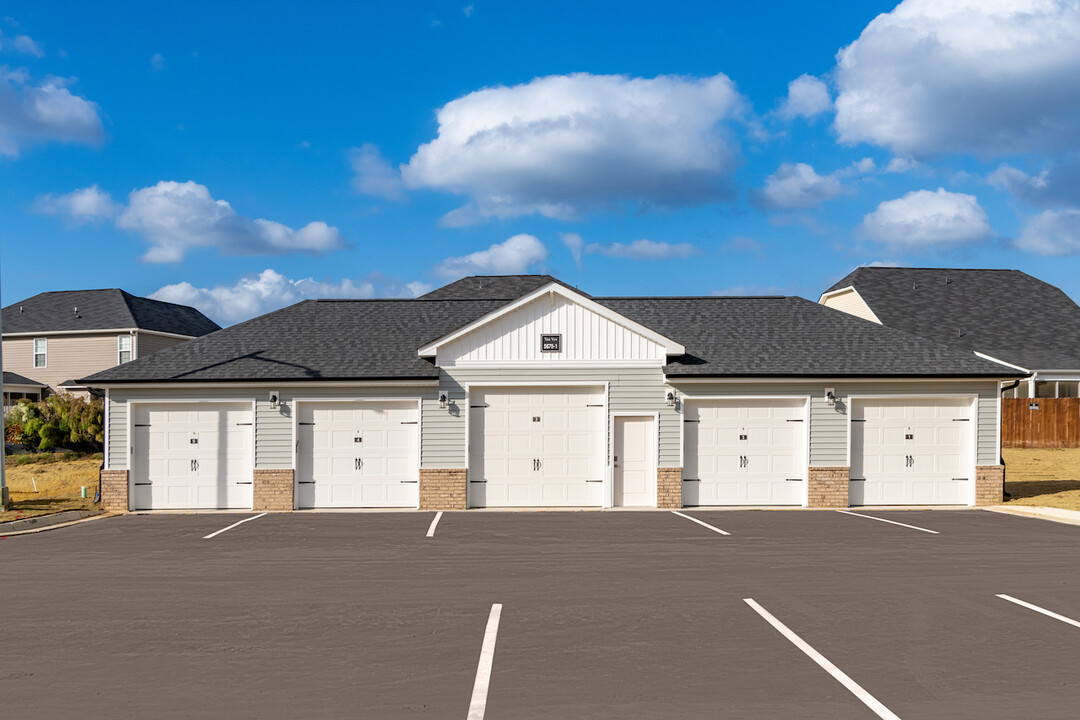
[
  {"x": 807, "y": 97},
  {"x": 751, "y": 290},
  {"x": 1054, "y": 186},
  {"x": 923, "y": 219},
  {"x": 176, "y": 217},
  {"x": 986, "y": 77},
  {"x": 796, "y": 185},
  {"x": 269, "y": 290},
  {"x": 901, "y": 165},
  {"x": 886, "y": 264},
  {"x": 468, "y": 10},
  {"x": 562, "y": 145},
  {"x": 511, "y": 257},
  {"x": 35, "y": 113},
  {"x": 157, "y": 61},
  {"x": 373, "y": 175},
  {"x": 576, "y": 245},
  {"x": 80, "y": 206},
  {"x": 23, "y": 44},
  {"x": 1052, "y": 232},
  {"x": 644, "y": 249}
]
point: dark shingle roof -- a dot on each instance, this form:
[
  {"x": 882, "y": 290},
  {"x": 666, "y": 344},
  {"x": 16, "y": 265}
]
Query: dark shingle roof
[
  {"x": 378, "y": 339},
  {"x": 11, "y": 378},
  {"x": 1006, "y": 314},
  {"x": 790, "y": 336},
  {"x": 493, "y": 287},
  {"x": 102, "y": 310},
  {"x": 312, "y": 340}
]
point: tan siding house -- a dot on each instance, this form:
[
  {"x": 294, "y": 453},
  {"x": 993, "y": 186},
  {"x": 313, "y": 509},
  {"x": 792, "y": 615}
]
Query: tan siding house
[{"x": 56, "y": 338}]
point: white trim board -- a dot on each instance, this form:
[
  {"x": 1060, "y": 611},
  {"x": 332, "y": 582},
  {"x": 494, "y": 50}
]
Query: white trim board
[{"x": 671, "y": 347}]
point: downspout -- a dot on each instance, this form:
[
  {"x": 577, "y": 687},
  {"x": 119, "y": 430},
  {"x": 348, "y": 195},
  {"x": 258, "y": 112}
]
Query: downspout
[{"x": 1001, "y": 451}]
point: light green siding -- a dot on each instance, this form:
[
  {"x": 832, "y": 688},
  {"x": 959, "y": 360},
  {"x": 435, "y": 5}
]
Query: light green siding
[
  {"x": 630, "y": 390},
  {"x": 273, "y": 425},
  {"x": 444, "y": 440},
  {"x": 829, "y": 423}
]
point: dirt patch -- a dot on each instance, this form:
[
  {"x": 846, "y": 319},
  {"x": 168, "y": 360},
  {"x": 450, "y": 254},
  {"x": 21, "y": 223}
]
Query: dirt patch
[
  {"x": 1047, "y": 477},
  {"x": 59, "y": 487}
]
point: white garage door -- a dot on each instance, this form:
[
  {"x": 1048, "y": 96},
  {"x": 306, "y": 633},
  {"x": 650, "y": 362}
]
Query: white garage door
[
  {"x": 745, "y": 452},
  {"x": 911, "y": 452},
  {"x": 357, "y": 454},
  {"x": 539, "y": 447},
  {"x": 192, "y": 456}
]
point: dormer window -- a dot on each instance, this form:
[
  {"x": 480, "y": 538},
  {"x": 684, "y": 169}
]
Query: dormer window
[
  {"x": 40, "y": 352},
  {"x": 123, "y": 348}
]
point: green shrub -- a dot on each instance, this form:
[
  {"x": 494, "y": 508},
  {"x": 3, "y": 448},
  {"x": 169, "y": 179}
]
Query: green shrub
[{"x": 58, "y": 420}]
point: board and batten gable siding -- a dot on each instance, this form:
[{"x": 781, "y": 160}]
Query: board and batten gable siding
[
  {"x": 630, "y": 390},
  {"x": 851, "y": 302},
  {"x": 68, "y": 357},
  {"x": 274, "y": 439},
  {"x": 829, "y": 423},
  {"x": 515, "y": 337},
  {"x": 149, "y": 343}
]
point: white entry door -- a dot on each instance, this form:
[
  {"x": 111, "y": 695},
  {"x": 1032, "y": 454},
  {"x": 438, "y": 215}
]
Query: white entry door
[
  {"x": 634, "y": 462},
  {"x": 192, "y": 456},
  {"x": 745, "y": 452},
  {"x": 536, "y": 447},
  {"x": 911, "y": 451},
  {"x": 357, "y": 454}
]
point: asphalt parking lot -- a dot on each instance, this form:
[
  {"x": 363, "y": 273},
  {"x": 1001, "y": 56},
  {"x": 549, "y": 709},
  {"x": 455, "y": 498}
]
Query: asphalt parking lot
[{"x": 544, "y": 615}]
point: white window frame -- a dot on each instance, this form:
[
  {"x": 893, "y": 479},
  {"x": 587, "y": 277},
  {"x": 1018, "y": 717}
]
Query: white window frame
[
  {"x": 44, "y": 353},
  {"x": 120, "y": 349}
]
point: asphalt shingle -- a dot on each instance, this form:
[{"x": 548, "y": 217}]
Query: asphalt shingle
[
  {"x": 73, "y": 310},
  {"x": 1006, "y": 314},
  {"x": 378, "y": 339}
]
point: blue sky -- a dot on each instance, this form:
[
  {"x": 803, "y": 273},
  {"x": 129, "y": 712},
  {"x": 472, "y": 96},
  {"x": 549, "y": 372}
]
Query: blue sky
[{"x": 240, "y": 157}]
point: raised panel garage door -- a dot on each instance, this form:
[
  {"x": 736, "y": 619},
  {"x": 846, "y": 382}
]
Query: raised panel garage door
[
  {"x": 536, "y": 447},
  {"x": 744, "y": 452},
  {"x": 914, "y": 451},
  {"x": 192, "y": 456},
  {"x": 357, "y": 454}
]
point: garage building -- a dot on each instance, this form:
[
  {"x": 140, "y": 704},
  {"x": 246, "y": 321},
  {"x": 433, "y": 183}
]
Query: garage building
[{"x": 520, "y": 391}]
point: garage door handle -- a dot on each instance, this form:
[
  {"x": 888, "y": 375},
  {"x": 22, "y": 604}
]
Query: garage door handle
[
  {"x": 194, "y": 465},
  {"x": 359, "y": 464},
  {"x": 306, "y": 482},
  {"x": 142, "y": 483},
  {"x": 409, "y": 482},
  {"x": 243, "y": 482}
]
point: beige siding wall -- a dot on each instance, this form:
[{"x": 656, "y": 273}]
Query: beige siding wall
[
  {"x": 852, "y": 303},
  {"x": 829, "y": 423},
  {"x": 69, "y": 357},
  {"x": 149, "y": 344},
  {"x": 631, "y": 390}
]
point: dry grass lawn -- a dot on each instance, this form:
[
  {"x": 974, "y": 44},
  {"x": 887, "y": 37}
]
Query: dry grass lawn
[
  {"x": 58, "y": 483},
  {"x": 1050, "y": 478}
]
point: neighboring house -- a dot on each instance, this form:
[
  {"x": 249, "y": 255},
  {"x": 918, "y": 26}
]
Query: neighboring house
[
  {"x": 523, "y": 392},
  {"x": 17, "y": 387},
  {"x": 1004, "y": 315},
  {"x": 56, "y": 337}
]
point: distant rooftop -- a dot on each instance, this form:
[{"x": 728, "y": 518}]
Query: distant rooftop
[{"x": 74, "y": 310}]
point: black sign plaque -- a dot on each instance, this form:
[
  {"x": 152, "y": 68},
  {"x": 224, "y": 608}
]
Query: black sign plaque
[{"x": 551, "y": 343}]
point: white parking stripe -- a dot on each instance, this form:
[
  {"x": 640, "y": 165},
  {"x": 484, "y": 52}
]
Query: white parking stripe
[
  {"x": 1044, "y": 611},
  {"x": 853, "y": 687},
  {"x": 434, "y": 524},
  {"x": 213, "y": 534},
  {"x": 483, "y": 671},
  {"x": 891, "y": 522},
  {"x": 705, "y": 524}
]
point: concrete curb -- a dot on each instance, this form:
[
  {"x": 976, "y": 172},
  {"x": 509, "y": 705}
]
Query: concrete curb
[
  {"x": 55, "y": 524},
  {"x": 1068, "y": 517}
]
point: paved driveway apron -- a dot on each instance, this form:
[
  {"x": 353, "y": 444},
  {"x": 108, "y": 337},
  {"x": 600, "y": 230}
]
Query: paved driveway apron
[{"x": 605, "y": 615}]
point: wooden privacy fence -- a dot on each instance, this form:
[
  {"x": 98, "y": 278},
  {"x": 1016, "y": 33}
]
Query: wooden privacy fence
[{"x": 1040, "y": 422}]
